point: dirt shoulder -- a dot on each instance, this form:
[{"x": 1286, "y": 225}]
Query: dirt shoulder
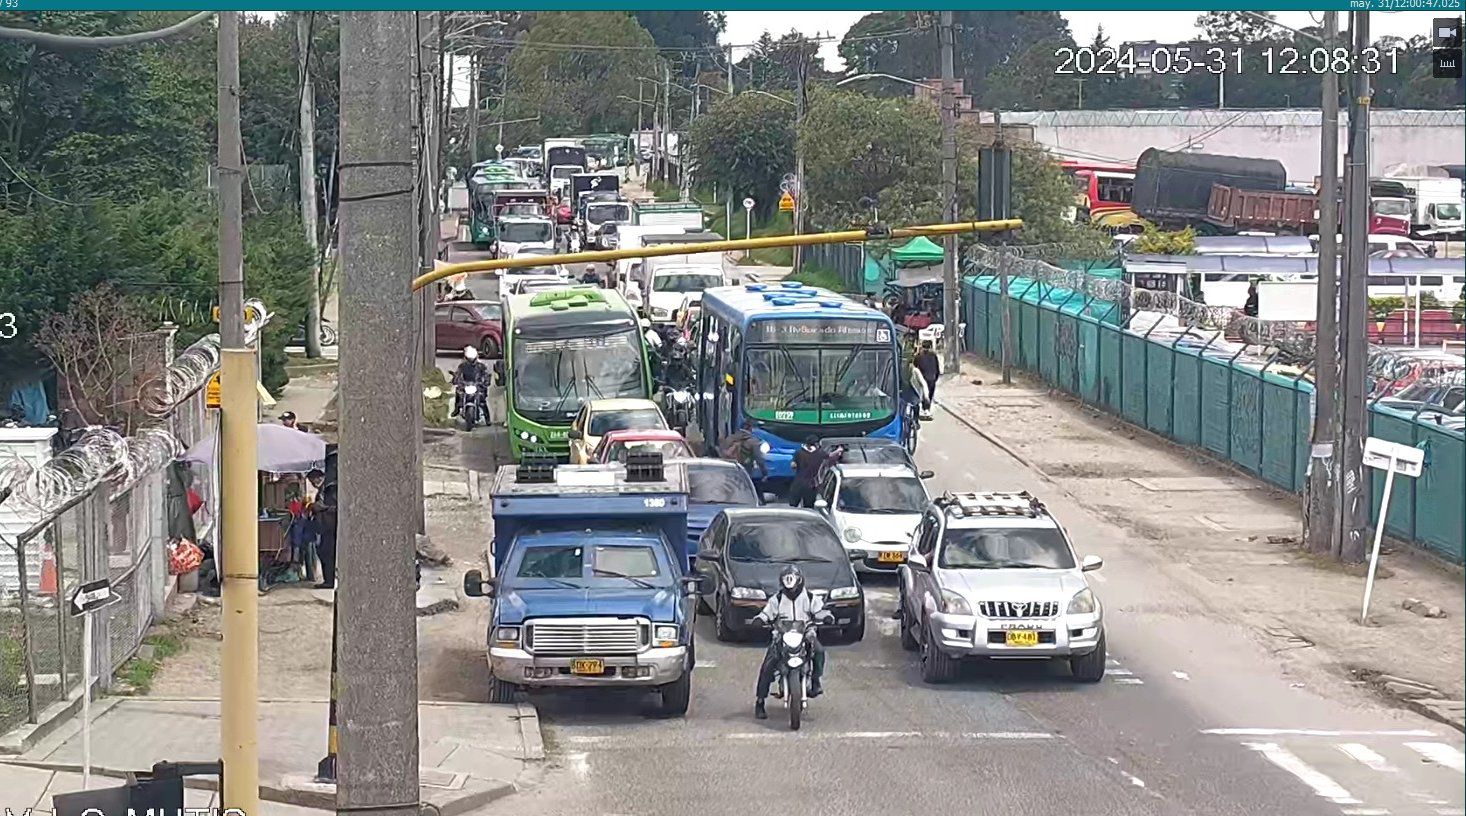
[{"x": 1231, "y": 539}]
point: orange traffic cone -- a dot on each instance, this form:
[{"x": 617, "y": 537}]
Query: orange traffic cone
[{"x": 48, "y": 570}]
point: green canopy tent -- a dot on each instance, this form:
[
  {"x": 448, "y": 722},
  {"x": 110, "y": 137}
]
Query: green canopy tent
[{"x": 919, "y": 251}]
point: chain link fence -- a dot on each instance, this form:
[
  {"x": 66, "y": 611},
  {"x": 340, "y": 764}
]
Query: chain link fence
[{"x": 1207, "y": 376}]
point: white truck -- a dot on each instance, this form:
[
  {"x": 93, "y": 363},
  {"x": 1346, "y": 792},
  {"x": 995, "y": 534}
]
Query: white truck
[
  {"x": 671, "y": 278},
  {"x": 1437, "y": 205},
  {"x": 685, "y": 214}
]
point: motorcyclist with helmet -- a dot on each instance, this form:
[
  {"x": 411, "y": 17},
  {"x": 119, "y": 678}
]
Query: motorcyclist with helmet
[
  {"x": 471, "y": 371},
  {"x": 795, "y": 603}
]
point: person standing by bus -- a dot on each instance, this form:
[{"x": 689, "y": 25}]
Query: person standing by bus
[{"x": 930, "y": 367}]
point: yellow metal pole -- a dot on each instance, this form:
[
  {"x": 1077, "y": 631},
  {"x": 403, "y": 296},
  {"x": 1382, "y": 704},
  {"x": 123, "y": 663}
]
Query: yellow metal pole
[
  {"x": 449, "y": 270},
  {"x": 240, "y": 596}
]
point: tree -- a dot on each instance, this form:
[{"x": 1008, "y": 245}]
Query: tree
[
  {"x": 96, "y": 350},
  {"x": 694, "y": 31},
  {"x": 1237, "y": 26},
  {"x": 578, "y": 90},
  {"x": 773, "y": 64},
  {"x": 1028, "y": 82},
  {"x": 745, "y": 143},
  {"x": 985, "y": 41},
  {"x": 889, "y": 42}
]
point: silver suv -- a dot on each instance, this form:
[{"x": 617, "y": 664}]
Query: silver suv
[{"x": 993, "y": 575}]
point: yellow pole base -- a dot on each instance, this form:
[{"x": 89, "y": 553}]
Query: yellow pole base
[{"x": 240, "y": 658}]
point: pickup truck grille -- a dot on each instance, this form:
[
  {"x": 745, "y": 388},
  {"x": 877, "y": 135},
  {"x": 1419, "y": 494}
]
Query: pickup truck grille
[
  {"x": 1018, "y": 609},
  {"x": 587, "y": 636}
]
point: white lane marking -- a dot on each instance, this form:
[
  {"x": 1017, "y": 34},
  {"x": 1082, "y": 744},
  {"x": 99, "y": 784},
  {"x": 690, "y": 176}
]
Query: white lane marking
[
  {"x": 1367, "y": 757},
  {"x": 1180, "y": 675},
  {"x": 764, "y": 735},
  {"x": 1366, "y": 812},
  {"x": 1129, "y": 681},
  {"x": 706, "y": 664},
  {"x": 1008, "y": 735},
  {"x": 1307, "y": 774},
  {"x": 586, "y": 739},
  {"x": 1450, "y": 811},
  {"x": 1134, "y": 780},
  {"x": 1122, "y": 672},
  {"x": 1309, "y": 732},
  {"x": 1441, "y": 754}
]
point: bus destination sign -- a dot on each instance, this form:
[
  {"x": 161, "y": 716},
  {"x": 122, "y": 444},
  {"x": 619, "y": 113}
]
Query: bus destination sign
[{"x": 818, "y": 331}]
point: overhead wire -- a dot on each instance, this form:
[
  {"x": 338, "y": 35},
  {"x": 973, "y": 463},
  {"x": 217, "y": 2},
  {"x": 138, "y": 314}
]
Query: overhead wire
[{"x": 69, "y": 42}]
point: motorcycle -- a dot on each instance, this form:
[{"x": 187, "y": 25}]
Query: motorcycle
[
  {"x": 469, "y": 403},
  {"x": 328, "y": 335},
  {"x": 677, "y": 408},
  {"x": 791, "y": 673}
]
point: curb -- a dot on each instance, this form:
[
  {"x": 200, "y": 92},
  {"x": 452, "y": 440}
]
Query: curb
[
  {"x": 529, "y": 732},
  {"x": 997, "y": 443}
]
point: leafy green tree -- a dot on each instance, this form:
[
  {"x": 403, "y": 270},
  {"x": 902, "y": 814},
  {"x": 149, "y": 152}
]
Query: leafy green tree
[
  {"x": 1028, "y": 81},
  {"x": 695, "y": 31},
  {"x": 773, "y": 64},
  {"x": 1237, "y": 26},
  {"x": 886, "y": 42},
  {"x": 578, "y": 90},
  {"x": 746, "y": 145}
]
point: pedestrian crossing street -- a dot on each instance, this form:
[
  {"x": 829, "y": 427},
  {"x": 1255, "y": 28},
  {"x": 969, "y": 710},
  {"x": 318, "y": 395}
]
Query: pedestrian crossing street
[{"x": 1367, "y": 773}]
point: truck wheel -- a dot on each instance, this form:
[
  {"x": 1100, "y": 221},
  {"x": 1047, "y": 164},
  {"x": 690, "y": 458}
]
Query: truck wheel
[
  {"x": 502, "y": 692},
  {"x": 936, "y": 666},
  {"x": 676, "y": 696},
  {"x": 1089, "y": 668},
  {"x": 723, "y": 630}
]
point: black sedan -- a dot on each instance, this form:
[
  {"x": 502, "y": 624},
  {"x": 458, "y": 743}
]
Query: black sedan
[{"x": 743, "y": 551}]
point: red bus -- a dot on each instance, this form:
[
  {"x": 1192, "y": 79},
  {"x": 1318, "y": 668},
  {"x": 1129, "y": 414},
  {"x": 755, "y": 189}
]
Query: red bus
[{"x": 1102, "y": 194}]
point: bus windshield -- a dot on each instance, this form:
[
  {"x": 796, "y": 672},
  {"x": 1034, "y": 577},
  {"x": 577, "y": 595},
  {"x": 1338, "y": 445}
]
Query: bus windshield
[
  {"x": 553, "y": 377},
  {"x": 525, "y": 232},
  {"x": 820, "y": 385}
]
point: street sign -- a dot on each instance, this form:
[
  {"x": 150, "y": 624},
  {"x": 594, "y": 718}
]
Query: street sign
[
  {"x": 211, "y": 394},
  {"x": 91, "y": 597},
  {"x": 1405, "y": 460},
  {"x": 786, "y": 203},
  {"x": 748, "y": 203},
  {"x": 250, "y": 315}
]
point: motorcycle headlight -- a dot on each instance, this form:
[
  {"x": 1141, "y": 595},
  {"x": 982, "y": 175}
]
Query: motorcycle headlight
[
  {"x": 666, "y": 636},
  {"x": 748, "y": 594},
  {"x": 843, "y": 593},
  {"x": 470, "y": 389},
  {"x": 851, "y": 535},
  {"x": 793, "y": 640},
  {"x": 796, "y": 662},
  {"x": 506, "y": 637},
  {"x": 1083, "y": 603},
  {"x": 680, "y": 397},
  {"x": 954, "y": 604}
]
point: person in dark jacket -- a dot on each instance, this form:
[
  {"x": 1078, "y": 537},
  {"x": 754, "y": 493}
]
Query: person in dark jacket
[
  {"x": 745, "y": 448},
  {"x": 324, "y": 513},
  {"x": 1250, "y": 308},
  {"x": 809, "y": 464},
  {"x": 930, "y": 367}
]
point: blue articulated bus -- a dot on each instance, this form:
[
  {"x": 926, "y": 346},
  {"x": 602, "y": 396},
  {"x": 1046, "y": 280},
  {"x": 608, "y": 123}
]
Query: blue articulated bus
[{"x": 798, "y": 361}]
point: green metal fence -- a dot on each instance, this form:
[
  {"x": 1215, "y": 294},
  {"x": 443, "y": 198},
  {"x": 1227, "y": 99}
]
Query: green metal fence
[{"x": 1257, "y": 415}]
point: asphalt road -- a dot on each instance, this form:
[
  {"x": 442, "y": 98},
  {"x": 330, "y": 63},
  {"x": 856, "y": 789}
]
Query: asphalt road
[{"x": 1195, "y": 716}]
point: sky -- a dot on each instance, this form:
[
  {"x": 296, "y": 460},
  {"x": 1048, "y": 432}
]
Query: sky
[{"x": 1162, "y": 26}]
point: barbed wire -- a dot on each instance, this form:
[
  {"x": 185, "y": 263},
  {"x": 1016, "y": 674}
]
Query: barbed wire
[
  {"x": 99, "y": 455},
  {"x": 191, "y": 369}
]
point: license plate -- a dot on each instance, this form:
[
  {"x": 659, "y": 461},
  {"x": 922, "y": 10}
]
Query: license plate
[
  {"x": 1022, "y": 637},
  {"x": 589, "y": 666},
  {"x": 891, "y": 557}
]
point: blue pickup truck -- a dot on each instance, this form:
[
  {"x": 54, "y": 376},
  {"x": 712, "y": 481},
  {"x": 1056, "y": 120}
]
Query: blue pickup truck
[{"x": 590, "y": 582}]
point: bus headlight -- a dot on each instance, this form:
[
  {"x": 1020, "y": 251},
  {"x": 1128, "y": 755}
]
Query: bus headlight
[{"x": 763, "y": 448}]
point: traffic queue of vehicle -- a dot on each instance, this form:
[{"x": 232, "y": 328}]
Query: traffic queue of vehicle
[{"x": 649, "y": 461}]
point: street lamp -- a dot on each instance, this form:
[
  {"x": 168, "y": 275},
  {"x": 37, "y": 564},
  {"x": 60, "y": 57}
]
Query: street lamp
[
  {"x": 892, "y": 77},
  {"x": 791, "y": 103}
]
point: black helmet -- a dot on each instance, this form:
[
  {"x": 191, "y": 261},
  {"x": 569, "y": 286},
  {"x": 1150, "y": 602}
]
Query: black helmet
[{"x": 791, "y": 581}]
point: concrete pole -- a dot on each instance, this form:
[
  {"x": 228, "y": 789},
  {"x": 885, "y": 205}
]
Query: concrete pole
[
  {"x": 377, "y": 654},
  {"x": 1355, "y": 491},
  {"x": 503, "y": 97},
  {"x": 308, "y": 216},
  {"x": 1321, "y": 518},
  {"x": 730, "y": 70},
  {"x": 952, "y": 343},
  {"x": 636, "y": 148},
  {"x": 239, "y": 659},
  {"x": 473, "y": 110},
  {"x": 800, "y": 104},
  {"x": 666, "y": 117}
]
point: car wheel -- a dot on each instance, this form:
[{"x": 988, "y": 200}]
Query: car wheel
[
  {"x": 1090, "y": 668},
  {"x": 936, "y": 666},
  {"x": 908, "y": 635},
  {"x": 501, "y": 692},
  {"x": 489, "y": 347},
  {"x": 721, "y": 626},
  {"x": 676, "y": 696}
]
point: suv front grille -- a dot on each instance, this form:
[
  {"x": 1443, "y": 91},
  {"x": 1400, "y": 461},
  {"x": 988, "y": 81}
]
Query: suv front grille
[
  {"x": 614, "y": 636},
  {"x": 1018, "y": 609}
]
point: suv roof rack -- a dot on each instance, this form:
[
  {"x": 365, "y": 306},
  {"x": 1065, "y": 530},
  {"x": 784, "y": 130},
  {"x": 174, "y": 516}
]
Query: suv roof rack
[
  {"x": 644, "y": 466},
  {"x": 966, "y": 504}
]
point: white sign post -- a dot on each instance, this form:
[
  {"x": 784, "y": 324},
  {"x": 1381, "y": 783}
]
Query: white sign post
[
  {"x": 748, "y": 217},
  {"x": 1392, "y": 458},
  {"x": 85, "y": 602}
]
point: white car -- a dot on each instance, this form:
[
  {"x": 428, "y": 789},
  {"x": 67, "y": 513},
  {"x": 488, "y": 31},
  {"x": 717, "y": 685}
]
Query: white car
[
  {"x": 875, "y": 509},
  {"x": 993, "y": 575},
  {"x": 671, "y": 284},
  {"x": 521, "y": 233}
]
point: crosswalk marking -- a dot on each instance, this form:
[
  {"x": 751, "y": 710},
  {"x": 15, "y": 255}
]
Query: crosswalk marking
[
  {"x": 1321, "y": 783},
  {"x": 1441, "y": 754},
  {"x": 1368, "y": 757},
  {"x": 1366, "y": 812}
]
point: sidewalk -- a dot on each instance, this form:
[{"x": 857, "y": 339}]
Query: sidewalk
[
  {"x": 471, "y": 753},
  {"x": 1233, "y": 541}
]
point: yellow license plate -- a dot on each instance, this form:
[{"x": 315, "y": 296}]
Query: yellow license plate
[
  {"x": 587, "y": 666},
  {"x": 1022, "y": 637},
  {"x": 891, "y": 557}
]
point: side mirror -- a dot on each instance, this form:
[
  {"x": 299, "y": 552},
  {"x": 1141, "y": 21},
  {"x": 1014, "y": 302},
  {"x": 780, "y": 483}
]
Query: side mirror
[
  {"x": 574, "y": 434},
  {"x": 821, "y": 504},
  {"x": 917, "y": 560},
  {"x": 474, "y": 585},
  {"x": 694, "y": 585},
  {"x": 1091, "y": 563},
  {"x": 926, "y": 474}
]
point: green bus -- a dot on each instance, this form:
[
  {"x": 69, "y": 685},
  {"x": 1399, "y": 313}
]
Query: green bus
[
  {"x": 482, "y": 186},
  {"x": 565, "y": 347}
]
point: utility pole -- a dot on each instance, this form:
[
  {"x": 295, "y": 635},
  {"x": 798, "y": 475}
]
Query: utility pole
[
  {"x": 473, "y": 78},
  {"x": 730, "y": 70},
  {"x": 951, "y": 342},
  {"x": 308, "y": 217},
  {"x": 1321, "y": 518},
  {"x": 800, "y": 103},
  {"x": 682, "y": 146},
  {"x": 376, "y": 614},
  {"x": 666, "y": 118},
  {"x": 428, "y": 228},
  {"x": 1353, "y": 313},
  {"x": 239, "y": 660},
  {"x": 640, "y": 126},
  {"x": 503, "y": 98}
]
